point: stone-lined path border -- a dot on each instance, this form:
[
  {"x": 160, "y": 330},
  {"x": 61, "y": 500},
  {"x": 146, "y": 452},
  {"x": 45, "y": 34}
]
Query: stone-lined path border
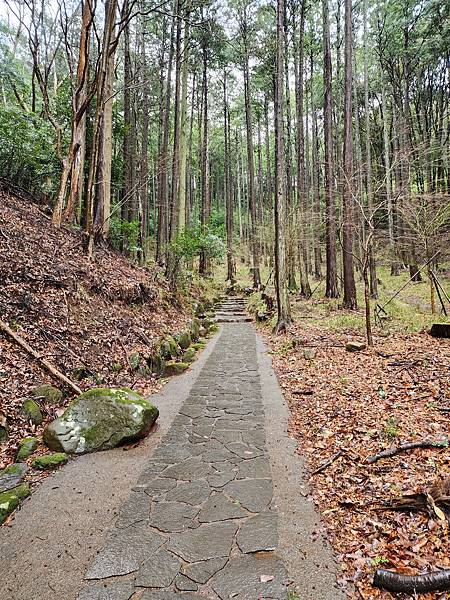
[{"x": 208, "y": 517}]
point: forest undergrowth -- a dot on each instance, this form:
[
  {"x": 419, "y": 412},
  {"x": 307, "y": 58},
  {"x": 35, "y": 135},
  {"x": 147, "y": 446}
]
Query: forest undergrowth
[
  {"x": 88, "y": 318},
  {"x": 346, "y": 407}
]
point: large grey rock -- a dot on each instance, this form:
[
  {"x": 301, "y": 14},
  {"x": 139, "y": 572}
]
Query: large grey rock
[
  {"x": 172, "y": 516},
  {"x": 158, "y": 571},
  {"x": 219, "y": 508},
  {"x": 245, "y": 578},
  {"x": 188, "y": 470},
  {"x": 124, "y": 552},
  {"x": 118, "y": 590},
  {"x": 190, "y": 492},
  {"x": 202, "y": 571},
  {"x": 100, "y": 419},
  {"x": 253, "y": 494},
  {"x": 213, "y": 540},
  {"x": 354, "y": 346},
  {"x": 12, "y": 476},
  {"x": 259, "y": 533}
]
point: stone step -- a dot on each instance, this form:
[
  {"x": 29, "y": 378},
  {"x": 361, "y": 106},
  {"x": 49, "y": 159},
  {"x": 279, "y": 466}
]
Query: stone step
[{"x": 233, "y": 319}]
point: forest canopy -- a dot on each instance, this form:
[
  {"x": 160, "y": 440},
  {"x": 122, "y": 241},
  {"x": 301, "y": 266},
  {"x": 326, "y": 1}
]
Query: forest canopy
[{"x": 314, "y": 134}]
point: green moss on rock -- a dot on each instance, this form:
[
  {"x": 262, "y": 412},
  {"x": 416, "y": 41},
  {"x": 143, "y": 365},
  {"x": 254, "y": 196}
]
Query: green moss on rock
[
  {"x": 49, "y": 393},
  {"x": 12, "y": 476},
  {"x": 101, "y": 419},
  {"x": 30, "y": 410},
  {"x": 198, "y": 345},
  {"x": 157, "y": 360},
  {"x": 173, "y": 346},
  {"x": 3, "y": 432},
  {"x": 189, "y": 355},
  {"x": 175, "y": 368},
  {"x": 194, "y": 329},
  {"x": 184, "y": 339},
  {"x": 26, "y": 448},
  {"x": 48, "y": 462},
  {"x": 10, "y": 499},
  {"x": 135, "y": 360}
]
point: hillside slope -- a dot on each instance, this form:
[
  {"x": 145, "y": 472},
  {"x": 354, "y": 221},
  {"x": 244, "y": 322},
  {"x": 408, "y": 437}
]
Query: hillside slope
[{"x": 87, "y": 318}]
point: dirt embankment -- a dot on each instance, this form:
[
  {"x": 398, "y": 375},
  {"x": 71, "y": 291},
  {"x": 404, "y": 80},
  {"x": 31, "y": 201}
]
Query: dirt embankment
[{"x": 88, "y": 318}]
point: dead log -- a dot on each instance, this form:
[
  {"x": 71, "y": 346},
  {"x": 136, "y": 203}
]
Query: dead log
[
  {"x": 438, "y": 581},
  {"x": 403, "y": 447},
  {"x": 43, "y": 361}
]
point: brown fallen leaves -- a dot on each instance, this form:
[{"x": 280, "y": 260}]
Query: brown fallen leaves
[
  {"x": 347, "y": 407},
  {"x": 80, "y": 315}
]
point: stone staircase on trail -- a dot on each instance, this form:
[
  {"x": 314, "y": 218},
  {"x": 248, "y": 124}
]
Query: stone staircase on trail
[{"x": 232, "y": 310}]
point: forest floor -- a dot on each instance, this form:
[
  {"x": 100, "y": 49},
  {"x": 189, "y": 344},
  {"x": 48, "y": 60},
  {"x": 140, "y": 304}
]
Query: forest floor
[
  {"x": 348, "y": 406},
  {"x": 88, "y": 318}
]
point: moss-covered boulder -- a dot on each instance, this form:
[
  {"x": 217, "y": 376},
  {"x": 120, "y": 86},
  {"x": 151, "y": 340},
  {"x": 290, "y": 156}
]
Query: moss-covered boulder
[
  {"x": 164, "y": 350},
  {"x": 207, "y": 324},
  {"x": 194, "y": 329},
  {"x": 10, "y": 500},
  {"x": 174, "y": 349},
  {"x": 157, "y": 360},
  {"x": 189, "y": 355},
  {"x": 135, "y": 360},
  {"x": 184, "y": 339},
  {"x": 27, "y": 446},
  {"x": 12, "y": 476},
  {"x": 48, "y": 462},
  {"x": 101, "y": 419},
  {"x": 175, "y": 368},
  {"x": 31, "y": 411},
  {"x": 48, "y": 393},
  {"x": 4, "y": 431},
  {"x": 198, "y": 345}
]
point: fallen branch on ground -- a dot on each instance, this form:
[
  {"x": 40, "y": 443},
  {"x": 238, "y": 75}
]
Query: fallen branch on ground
[
  {"x": 434, "y": 501},
  {"x": 44, "y": 362},
  {"x": 403, "y": 447},
  {"x": 438, "y": 581},
  {"x": 327, "y": 463}
]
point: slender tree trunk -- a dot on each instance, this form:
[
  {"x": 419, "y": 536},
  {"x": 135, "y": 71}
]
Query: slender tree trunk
[
  {"x": 388, "y": 176},
  {"x": 347, "y": 199},
  {"x": 205, "y": 183},
  {"x": 231, "y": 269},
  {"x": 163, "y": 167},
  {"x": 372, "y": 265},
  {"x": 251, "y": 164},
  {"x": 299, "y": 59},
  {"x": 183, "y": 130},
  {"x": 330, "y": 211},
  {"x": 315, "y": 185},
  {"x": 281, "y": 216}
]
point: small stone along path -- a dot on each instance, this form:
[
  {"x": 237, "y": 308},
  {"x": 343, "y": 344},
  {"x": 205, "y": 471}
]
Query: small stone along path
[{"x": 200, "y": 522}]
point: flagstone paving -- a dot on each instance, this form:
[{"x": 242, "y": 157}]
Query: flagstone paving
[{"x": 200, "y": 522}]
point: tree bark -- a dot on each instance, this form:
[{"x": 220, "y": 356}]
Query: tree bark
[
  {"x": 283, "y": 305},
  {"x": 347, "y": 199},
  {"x": 330, "y": 210}
]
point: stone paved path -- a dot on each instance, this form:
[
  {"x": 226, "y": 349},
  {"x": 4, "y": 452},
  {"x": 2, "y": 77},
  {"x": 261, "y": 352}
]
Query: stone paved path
[{"x": 200, "y": 523}]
